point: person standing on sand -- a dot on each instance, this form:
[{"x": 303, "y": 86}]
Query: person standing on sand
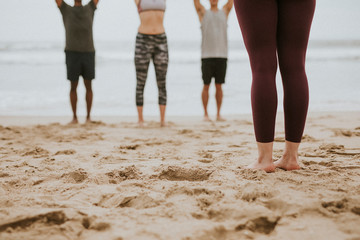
[
  {"x": 277, "y": 32},
  {"x": 214, "y": 50},
  {"x": 151, "y": 43},
  {"x": 79, "y": 50}
]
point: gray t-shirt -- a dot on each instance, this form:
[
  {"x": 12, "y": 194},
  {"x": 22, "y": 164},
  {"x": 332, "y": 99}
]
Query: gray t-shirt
[
  {"x": 214, "y": 35},
  {"x": 78, "y": 22}
]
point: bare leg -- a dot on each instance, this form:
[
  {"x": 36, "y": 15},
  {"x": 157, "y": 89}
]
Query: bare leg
[
  {"x": 289, "y": 160},
  {"x": 219, "y": 98},
  {"x": 162, "y": 115},
  {"x": 264, "y": 161},
  {"x": 73, "y": 100},
  {"x": 89, "y": 98},
  {"x": 140, "y": 115},
  {"x": 205, "y": 100}
]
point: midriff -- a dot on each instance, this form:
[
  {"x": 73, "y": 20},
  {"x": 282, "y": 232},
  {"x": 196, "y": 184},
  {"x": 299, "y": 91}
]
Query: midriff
[{"x": 152, "y": 22}]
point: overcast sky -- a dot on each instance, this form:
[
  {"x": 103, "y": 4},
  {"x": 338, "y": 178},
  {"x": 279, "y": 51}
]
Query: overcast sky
[{"x": 40, "y": 20}]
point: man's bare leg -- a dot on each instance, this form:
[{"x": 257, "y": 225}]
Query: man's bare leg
[
  {"x": 73, "y": 100},
  {"x": 289, "y": 160},
  {"x": 265, "y": 160},
  {"x": 219, "y": 98},
  {"x": 140, "y": 116},
  {"x": 205, "y": 100},
  {"x": 162, "y": 115},
  {"x": 89, "y": 98}
]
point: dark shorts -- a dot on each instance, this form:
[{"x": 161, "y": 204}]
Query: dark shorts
[
  {"x": 213, "y": 68},
  {"x": 80, "y": 64}
]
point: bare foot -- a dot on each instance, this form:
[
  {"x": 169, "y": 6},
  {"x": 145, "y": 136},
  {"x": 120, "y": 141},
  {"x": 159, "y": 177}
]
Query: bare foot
[
  {"x": 88, "y": 120},
  {"x": 74, "y": 121},
  {"x": 267, "y": 167},
  {"x": 207, "y": 119},
  {"x": 163, "y": 124},
  {"x": 220, "y": 119},
  {"x": 141, "y": 124},
  {"x": 287, "y": 163}
]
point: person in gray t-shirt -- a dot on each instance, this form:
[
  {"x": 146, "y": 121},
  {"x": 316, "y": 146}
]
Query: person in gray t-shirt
[
  {"x": 79, "y": 49},
  {"x": 214, "y": 49}
]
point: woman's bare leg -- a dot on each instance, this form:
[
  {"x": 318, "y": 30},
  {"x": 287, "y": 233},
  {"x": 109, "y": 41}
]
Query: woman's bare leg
[
  {"x": 140, "y": 116},
  {"x": 162, "y": 115}
]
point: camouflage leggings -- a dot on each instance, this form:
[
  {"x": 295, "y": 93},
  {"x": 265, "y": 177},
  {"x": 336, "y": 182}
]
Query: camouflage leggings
[{"x": 151, "y": 47}]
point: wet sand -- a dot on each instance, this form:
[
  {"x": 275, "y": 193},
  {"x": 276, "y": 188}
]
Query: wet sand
[{"x": 112, "y": 180}]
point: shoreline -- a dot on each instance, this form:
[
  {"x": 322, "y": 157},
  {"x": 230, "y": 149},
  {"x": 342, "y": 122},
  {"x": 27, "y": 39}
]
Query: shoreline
[{"x": 8, "y": 120}]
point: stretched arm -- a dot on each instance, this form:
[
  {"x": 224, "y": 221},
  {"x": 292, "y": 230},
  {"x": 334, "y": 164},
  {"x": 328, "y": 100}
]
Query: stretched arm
[
  {"x": 228, "y": 6},
  {"x": 59, "y": 2},
  {"x": 95, "y": 2},
  {"x": 200, "y": 9}
]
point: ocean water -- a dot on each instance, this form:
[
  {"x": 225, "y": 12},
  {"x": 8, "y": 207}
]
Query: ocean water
[
  {"x": 33, "y": 74},
  {"x": 33, "y": 80}
]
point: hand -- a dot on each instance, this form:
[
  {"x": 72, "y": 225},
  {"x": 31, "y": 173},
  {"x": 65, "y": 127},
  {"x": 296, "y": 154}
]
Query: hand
[{"x": 59, "y": 2}]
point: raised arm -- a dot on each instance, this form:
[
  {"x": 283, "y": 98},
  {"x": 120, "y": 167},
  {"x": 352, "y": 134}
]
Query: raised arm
[
  {"x": 95, "y": 2},
  {"x": 228, "y": 6},
  {"x": 59, "y": 2},
  {"x": 200, "y": 9}
]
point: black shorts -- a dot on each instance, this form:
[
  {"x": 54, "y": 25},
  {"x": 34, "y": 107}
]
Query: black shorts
[
  {"x": 213, "y": 68},
  {"x": 80, "y": 64}
]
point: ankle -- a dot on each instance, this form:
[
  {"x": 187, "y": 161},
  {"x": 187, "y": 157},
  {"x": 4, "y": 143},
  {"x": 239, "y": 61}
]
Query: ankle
[
  {"x": 290, "y": 155},
  {"x": 265, "y": 159}
]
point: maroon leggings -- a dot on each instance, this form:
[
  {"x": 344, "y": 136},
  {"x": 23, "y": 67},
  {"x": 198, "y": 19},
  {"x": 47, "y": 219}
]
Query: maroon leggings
[{"x": 277, "y": 30}]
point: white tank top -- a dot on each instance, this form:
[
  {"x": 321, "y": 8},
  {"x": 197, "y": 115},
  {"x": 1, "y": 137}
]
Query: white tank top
[
  {"x": 146, "y": 5},
  {"x": 214, "y": 35}
]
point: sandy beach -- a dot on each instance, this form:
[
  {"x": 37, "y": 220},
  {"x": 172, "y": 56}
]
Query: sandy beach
[{"x": 112, "y": 180}]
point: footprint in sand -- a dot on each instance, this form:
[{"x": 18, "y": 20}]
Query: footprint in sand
[
  {"x": 4, "y": 174},
  {"x": 92, "y": 223},
  {"x": 50, "y": 218},
  {"x": 264, "y": 225},
  {"x": 277, "y": 204},
  {"x": 127, "y": 173},
  {"x": 141, "y": 201},
  {"x": 250, "y": 174},
  {"x": 174, "y": 173},
  {"x": 66, "y": 152},
  {"x": 346, "y": 133},
  {"x": 322, "y": 163},
  {"x": 337, "y": 149},
  {"x": 129, "y": 147},
  {"x": 356, "y": 210},
  {"x": 207, "y": 157},
  {"x": 185, "y": 131},
  {"x": 251, "y": 192},
  {"x": 37, "y": 152},
  {"x": 14, "y": 130},
  {"x": 335, "y": 206},
  {"x": 216, "y": 195},
  {"x": 77, "y": 176}
]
